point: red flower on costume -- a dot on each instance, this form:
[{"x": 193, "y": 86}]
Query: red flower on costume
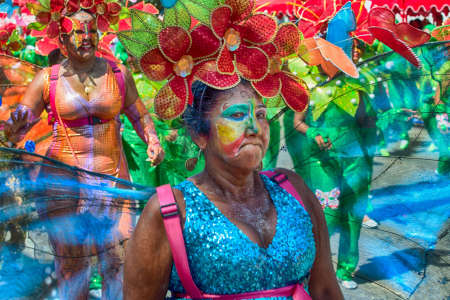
[
  {"x": 180, "y": 54},
  {"x": 314, "y": 15},
  {"x": 241, "y": 32},
  {"x": 362, "y": 22},
  {"x": 107, "y": 13},
  {"x": 399, "y": 37},
  {"x": 54, "y": 18},
  {"x": 9, "y": 39},
  {"x": 278, "y": 81}
]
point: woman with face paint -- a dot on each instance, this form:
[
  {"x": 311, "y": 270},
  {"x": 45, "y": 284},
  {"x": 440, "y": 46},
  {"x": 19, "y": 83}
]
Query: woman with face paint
[
  {"x": 85, "y": 96},
  {"x": 244, "y": 231}
]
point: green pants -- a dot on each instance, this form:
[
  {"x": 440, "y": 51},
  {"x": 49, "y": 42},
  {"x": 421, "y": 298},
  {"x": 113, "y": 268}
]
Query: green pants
[{"x": 345, "y": 169}]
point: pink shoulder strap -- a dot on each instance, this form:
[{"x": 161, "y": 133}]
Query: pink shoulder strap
[
  {"x": 284, "y": 182},
  {"x": 171, "y": 218},
  {"x": 54, "y": 74},
  {"x": 119, "y": 78}
]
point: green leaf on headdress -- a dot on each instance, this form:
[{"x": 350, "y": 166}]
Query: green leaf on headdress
[
  {"x": 124, "y": 13},
  {"x": 137, "y": 42},
  {"x": 45, "y": 4},
  {"x": 36, "y": 26},
  {"x": 200, "y": 9},
  {"x": 144, "y": 21},
  {"x": 276, "y": 101},
  {"x": 35, "y": 8},
  {"x": 177, "y": 16}
]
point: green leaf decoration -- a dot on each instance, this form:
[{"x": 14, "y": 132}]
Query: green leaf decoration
[
  {"x": 275, "y": 102},
  {"x": 137, "y": 42},
  {"x": 177, "y": 16},
  {"x": 144, "y": 21},
  {"x": 36, "y": 26},
  {"x": 320, "y": 98},
  {"x": 124, "y": 13},
  {"x": 347, "y": 100},
  {"x": 201, "y": 10},
  {"x": 35, "y": 8},
  {"x": 45, "y": 4}
]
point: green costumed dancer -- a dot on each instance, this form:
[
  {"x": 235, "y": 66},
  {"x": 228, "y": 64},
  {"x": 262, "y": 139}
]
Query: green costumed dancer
[{"x": 271, "y": 157}]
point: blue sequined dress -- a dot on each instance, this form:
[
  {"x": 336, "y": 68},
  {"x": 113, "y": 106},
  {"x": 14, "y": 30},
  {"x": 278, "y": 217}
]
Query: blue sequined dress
[{"x": 223, "y": 260}]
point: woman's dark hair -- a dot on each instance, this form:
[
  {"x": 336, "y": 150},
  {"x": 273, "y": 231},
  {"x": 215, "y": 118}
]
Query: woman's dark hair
[{"x": 195, "y": 116}]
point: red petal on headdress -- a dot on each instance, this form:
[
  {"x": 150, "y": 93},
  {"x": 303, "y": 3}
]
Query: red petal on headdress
[
  {"x": 221, "y": 20},
  {"x": 389, "y": 39},
  {"x": 56, "y": 5},
  {"x": 287, "y": 39},
  {"x": 269, "y": 87},
  {"x": 225, "y": 62},
  {"x": 294, "y": 93},
  {"x": 174, "y": 42},
  {"x": 207, "y": 73},
  {"x": 43, "y": 17},
  {"x": 241, "y": 9},
  {"x": 146, "y": 7},
  {"x": 269, "y": 49},
  {"x": 86, "y": 4},
  {"x": 53, "y": 29},
  {"x": 259, "y": 29},
  {"x": 102, "y": 23},
  {"x": 155, "y": 66},
  {"x": 72, "y": 6},
  {"x": 125, "y": 24},
  {"x": 252, "y": 63},
  {"x": 114, "y": 8},
  {"x": 411, "y": 35},
  {"x": 66, "y": 25},
  {"x": 172, "y": 98},
  {"x": 204, "y": 42},
  {"x": 113, "y": 19}
]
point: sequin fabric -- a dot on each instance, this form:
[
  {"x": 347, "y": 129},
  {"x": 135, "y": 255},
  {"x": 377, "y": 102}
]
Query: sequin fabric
[{"x": 223, "y": 260}]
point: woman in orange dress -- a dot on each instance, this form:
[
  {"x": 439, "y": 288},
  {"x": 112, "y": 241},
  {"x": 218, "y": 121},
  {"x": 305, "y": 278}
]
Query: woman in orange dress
[{"x": 85, "y": 96}]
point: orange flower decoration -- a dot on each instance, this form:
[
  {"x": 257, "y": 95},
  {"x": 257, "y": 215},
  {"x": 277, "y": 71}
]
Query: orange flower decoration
[
  {"x": 107, "y": 13},
  {"x": 180, "y": 57},
  {"x": 241, "y": 32},
  {"x": 279, "y": 81}
]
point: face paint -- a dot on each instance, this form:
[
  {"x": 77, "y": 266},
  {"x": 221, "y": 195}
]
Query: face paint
[
  {"x": 233, "y": 123},
  {"x": 83, "y": 31}
]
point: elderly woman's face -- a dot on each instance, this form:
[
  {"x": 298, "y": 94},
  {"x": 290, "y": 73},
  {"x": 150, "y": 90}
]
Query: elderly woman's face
[
  {"x": 239, "y": 128},
  {"x": 83, "y": 40}
]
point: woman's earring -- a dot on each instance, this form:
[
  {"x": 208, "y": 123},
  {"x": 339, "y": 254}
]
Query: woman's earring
[{"x": 192, "y": 162}]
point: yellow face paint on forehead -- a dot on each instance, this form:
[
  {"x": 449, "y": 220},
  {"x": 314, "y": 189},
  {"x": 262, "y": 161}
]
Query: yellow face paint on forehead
[{"x": 84, "y": 30}]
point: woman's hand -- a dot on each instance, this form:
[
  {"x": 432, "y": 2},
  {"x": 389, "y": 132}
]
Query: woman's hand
[
  {"x": 15, "y": 127},
  {"x": 154, "y": 151},
  {"x": 319, "y": 137}
]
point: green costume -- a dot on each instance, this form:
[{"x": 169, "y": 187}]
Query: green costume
[{"x": 271, "y": 157}]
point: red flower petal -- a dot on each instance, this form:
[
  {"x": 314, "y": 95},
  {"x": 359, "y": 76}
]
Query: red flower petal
[
  {"x": 241, "y": 9},
  {"x": 221, "y": 20},
  {"x": 155, "y": 66},
  {"x": 269, "y": 87},
  {"x": 269, "y": 49},
  {"x": 172, "y": 98},
  {"x": 252, "y": 63},
  {"x": 53, "y": 30},
  {"x": 294, "y": 92},
  {"x": 204, "y": 42},
  {"x": 113, "y": 19},
  {"x": 43, "y": 17},
  {"x": 102, "y": 23},
  {"x": 287, "y": 39},
  {"x": 72, "y": 6},
  {"x": 66, "y": 25},
  {"x": 56, "y": 5},
  {"x": 207, "y": 73},
  {"x": 259, "y": 29},
  {"x": 174, "y": 42},
  {"x": 86, "y": 4},
  {"x": 225, "y": 62},
  {"x": 114, "y": 8}
]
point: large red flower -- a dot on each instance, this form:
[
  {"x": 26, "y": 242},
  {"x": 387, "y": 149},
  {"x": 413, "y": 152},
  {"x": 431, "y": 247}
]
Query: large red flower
[
  {"x": 107, "y": 13},
  {"x": 179, "y": 55},
  {"x": 241, "y": 32},
  {"x": 54, "y": 18},
  {"x": 314, "y": 15},
  {"x": 278, "y": 81}
]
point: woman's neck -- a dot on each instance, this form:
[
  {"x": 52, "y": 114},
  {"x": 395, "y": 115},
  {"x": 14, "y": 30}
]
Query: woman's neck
[
  {"x": 83, "y": 66},
  {"x": 231, "y": 183}
]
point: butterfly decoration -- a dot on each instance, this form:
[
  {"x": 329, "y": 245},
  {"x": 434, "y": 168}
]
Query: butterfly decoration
[{"x": 329, "y": 199}]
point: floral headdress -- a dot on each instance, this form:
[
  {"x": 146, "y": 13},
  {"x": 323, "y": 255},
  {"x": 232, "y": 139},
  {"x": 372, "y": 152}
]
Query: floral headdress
[
  {"x": 51, "y": 15},
  {"x": 234, "y": 42}
]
